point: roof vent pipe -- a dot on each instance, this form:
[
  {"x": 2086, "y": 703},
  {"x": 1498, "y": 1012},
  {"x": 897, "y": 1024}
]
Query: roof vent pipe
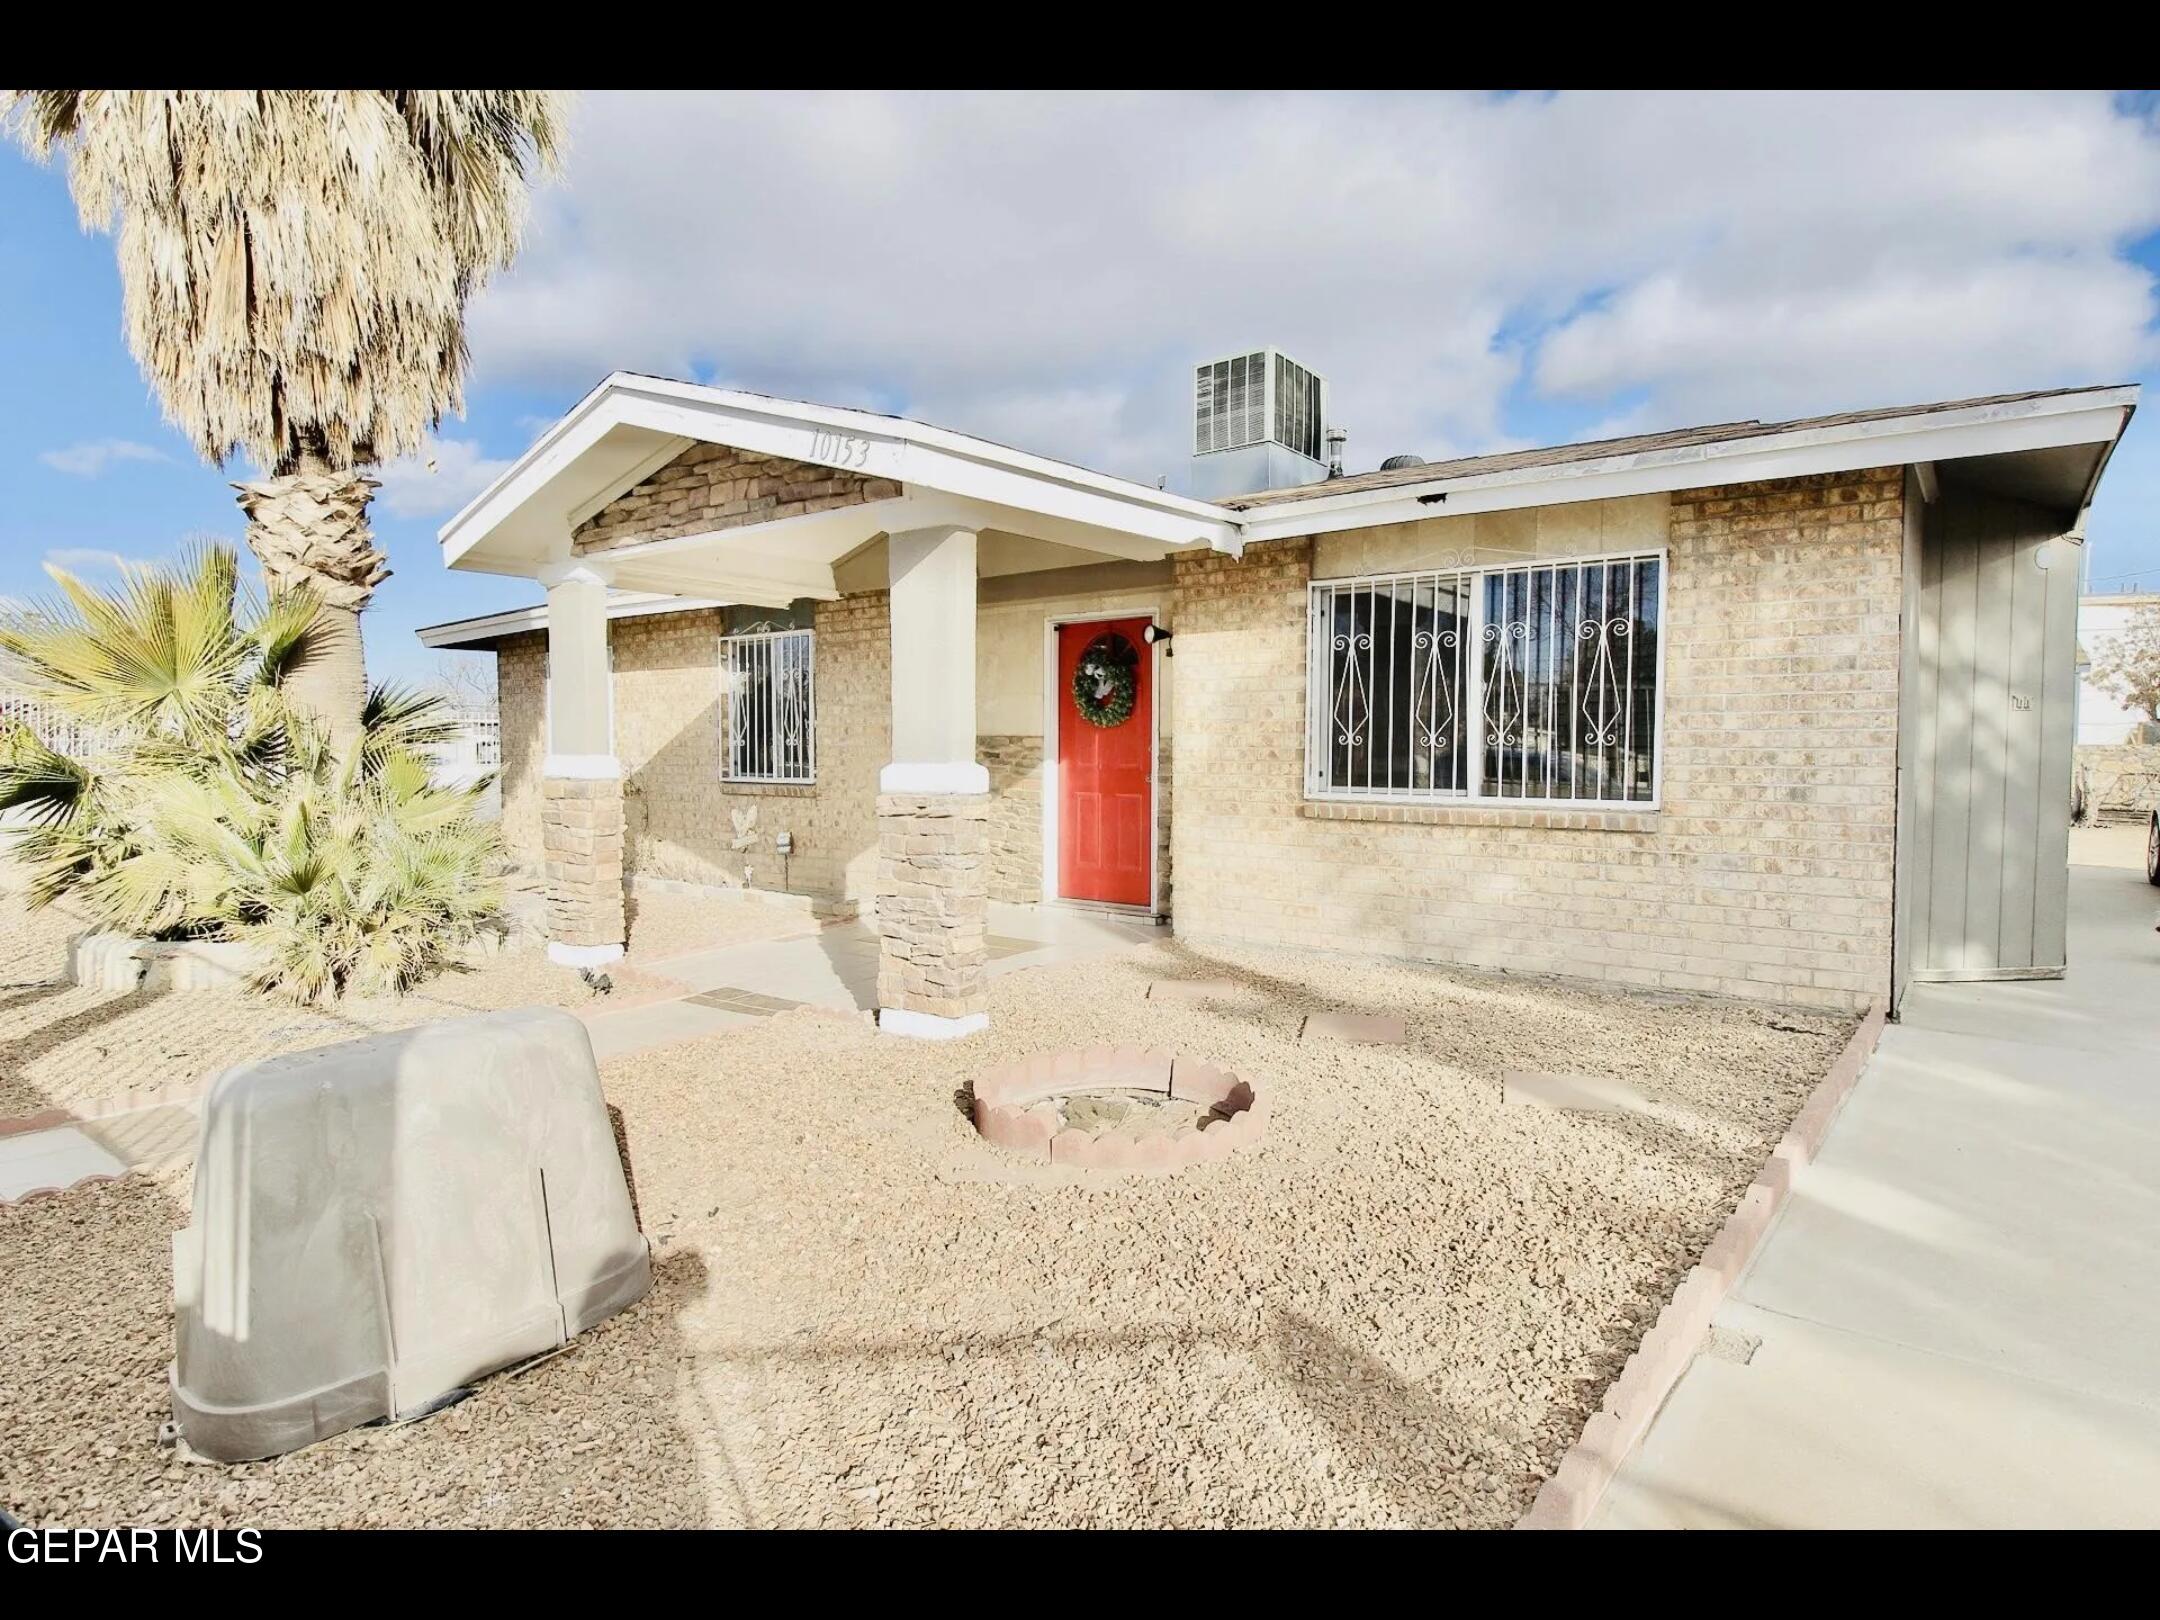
[{"x": 1336, "y": 438}]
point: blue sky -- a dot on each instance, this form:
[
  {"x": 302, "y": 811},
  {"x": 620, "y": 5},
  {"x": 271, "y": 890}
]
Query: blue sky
[{"x": 1469, "y": 272}]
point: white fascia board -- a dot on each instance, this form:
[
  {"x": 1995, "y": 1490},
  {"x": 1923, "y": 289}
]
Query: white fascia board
[
  {"x": 629, "y": 478},
  {"x": 912, "y": 454},
  {"x": 869, "y": 424},
  {"x": 2094, "y": 417},
  {"x": 514, "y": 621}
]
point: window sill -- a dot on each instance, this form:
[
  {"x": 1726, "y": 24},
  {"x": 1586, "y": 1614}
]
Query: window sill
[
  {"x": 1480, "y": 815},
  {"x": 770, "y": 790}
]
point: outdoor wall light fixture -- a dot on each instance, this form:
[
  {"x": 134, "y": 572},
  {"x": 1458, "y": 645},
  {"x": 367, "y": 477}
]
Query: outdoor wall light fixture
[{"x": 1154, "y": 634}]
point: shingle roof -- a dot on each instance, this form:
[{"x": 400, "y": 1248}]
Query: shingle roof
[{"x": 1598, "y": 449}]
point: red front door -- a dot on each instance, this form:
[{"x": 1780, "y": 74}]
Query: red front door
[{"x": 1106, "y": 811}]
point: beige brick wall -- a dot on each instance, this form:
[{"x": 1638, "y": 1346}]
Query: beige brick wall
[
  {"x": 667, "y": 735},
  {"x": 713, "y": 486},
  {"x": 679, "y": 812},
  {"x": 520, "y": 694},
  {"x": 1767, "y": 873}
]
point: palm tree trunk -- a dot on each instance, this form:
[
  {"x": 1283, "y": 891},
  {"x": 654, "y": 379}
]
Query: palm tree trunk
[{"x": 309, "y": 527}]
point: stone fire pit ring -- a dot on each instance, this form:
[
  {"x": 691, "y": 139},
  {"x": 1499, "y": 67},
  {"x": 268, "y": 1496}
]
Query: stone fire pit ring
[{"x": 1021, "y": 1107}]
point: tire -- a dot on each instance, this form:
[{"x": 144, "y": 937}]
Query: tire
[{"x": 2152, "y": 848}]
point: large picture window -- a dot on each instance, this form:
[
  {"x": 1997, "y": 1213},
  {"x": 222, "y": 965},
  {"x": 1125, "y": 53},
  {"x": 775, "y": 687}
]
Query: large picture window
[
  {"x": 768, "y": 694},
  {"x": 1534, "y": 684}
]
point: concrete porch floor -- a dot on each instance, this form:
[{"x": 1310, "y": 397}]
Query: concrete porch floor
[
  {"x": 837, "y": 967},
  {"x": 1958, "y": 1309}
]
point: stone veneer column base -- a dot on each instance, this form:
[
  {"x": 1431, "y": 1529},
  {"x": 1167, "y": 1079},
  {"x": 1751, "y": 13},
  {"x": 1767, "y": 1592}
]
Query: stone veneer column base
[
  {"x": 581, "y": 821},
  {"x": 933, "y": 911}
]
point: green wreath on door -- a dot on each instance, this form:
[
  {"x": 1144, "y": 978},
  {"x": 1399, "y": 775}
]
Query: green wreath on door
[{"x": 1106, "y": 681}]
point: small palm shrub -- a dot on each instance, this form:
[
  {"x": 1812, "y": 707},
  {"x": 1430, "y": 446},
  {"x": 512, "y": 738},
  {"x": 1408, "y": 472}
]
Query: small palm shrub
[{"x": 218, "y": 811}]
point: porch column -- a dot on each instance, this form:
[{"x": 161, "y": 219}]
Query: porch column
[
  {"x": 581, "y": 813},
  {"x": 933, "y": 799}
]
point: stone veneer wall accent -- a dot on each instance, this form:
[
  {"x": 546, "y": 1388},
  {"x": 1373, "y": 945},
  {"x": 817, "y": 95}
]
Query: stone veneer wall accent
[
  {"x": 1015, "y": 765},
  {"x": 714, "y": 486},
  {"x": 1163, "y": 845},
  {"x": 1766, "y": 873},
  {"x": 582, "y": 828},
  {"x": 2123, "y": 778},
  {"x": 933, "y": 903}
]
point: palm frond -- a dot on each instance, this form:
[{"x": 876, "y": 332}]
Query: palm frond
[
  {"x": 48, "y": 787},
  {"x": 295, "y": 264},
  {"x": 222, "y": 813}
]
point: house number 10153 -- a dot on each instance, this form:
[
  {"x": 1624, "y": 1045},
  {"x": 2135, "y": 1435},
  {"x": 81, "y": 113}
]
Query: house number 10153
[{"x": 839, "y": 449}]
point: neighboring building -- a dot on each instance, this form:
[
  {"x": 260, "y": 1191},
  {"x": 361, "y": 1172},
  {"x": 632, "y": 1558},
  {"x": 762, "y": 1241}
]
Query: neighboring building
[
  {"x": 2102, "y": 719},
  {"x": 2118, "y": 749},
  {"x": 471, "y": 754},
  {"x": 1773, "y": 710}
]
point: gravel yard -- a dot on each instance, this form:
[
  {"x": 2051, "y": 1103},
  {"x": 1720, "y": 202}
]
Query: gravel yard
[
  {"x": 80, "y": 1049},
  {"x": 1398, "y": 1309}
]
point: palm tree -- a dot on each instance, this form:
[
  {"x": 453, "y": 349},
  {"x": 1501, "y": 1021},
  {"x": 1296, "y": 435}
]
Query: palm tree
[
  {"x": 215, "y": 810},
  {"x": 294, "y": 268}
]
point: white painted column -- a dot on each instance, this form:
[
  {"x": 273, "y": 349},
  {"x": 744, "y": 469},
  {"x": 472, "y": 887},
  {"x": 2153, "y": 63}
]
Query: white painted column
[
  {"x": 578, "y": 743},
  {"x": 933, "y": 799},
  {"x": 933, "y": 664},
  {"x": 581, "y": 806}
]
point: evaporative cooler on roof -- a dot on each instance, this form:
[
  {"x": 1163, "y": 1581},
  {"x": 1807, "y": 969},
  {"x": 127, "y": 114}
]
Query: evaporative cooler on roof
[{"x": 1258, "y": 421}]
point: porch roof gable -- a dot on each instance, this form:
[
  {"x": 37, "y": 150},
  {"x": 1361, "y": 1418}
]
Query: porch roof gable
[{"x": 632, "y": 425}]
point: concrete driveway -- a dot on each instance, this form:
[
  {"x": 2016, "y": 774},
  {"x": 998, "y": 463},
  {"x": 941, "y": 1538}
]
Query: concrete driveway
[{"x": 1956, "y": 1321}]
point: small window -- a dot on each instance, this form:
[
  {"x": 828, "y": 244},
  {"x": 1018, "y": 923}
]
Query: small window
[
  {"x": 1534, "y": 684},
  {"x": 768, "y": 688}
]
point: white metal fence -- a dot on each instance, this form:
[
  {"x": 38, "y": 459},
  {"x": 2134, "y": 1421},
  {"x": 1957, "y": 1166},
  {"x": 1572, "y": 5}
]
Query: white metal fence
[{"x": 62, "y": 733}]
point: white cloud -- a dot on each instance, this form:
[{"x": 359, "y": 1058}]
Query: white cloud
[
  {"x": 87, "y": 559},
  {"x": 439, "y": 479},
  {"x": 91, "y": 458},
  {"x": 1043, "y": 269}
]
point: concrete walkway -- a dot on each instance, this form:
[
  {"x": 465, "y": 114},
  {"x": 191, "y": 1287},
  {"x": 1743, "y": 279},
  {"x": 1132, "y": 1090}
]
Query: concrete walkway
[
  {"x": 58, "y": 1157},
  {"x": 1956, "y": 1320},
  {"x": 837, "y": 967}
]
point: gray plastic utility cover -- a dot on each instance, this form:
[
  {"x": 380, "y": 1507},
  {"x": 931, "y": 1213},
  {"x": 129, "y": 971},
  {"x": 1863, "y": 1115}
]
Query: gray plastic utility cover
[{"x": 381, "y": 1221}]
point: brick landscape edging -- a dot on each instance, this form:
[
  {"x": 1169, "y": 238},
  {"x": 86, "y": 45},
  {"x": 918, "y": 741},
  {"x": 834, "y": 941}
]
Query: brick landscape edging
[
  {"x": 1013, "y": 1108},
  {"x": 31, "y": 1195},
  {"x": 1566, "y": 1500}
]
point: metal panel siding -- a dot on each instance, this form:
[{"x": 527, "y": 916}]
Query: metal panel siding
[
  {"x": 1909, "y": 844},
  {"x": 1993, "y": 715},
  {"x": 2025, "y": 665},
  {"x": 2058, "y": 737},
  {"x": 1955, "y": 605},
  {"x": 1994, "y": 748}
]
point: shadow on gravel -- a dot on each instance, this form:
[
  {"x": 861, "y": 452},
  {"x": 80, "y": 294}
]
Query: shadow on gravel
[{"x": 593, "y": 1435}]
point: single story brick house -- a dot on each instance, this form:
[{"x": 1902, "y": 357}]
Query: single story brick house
[{"x": 1775, "y": 710}]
